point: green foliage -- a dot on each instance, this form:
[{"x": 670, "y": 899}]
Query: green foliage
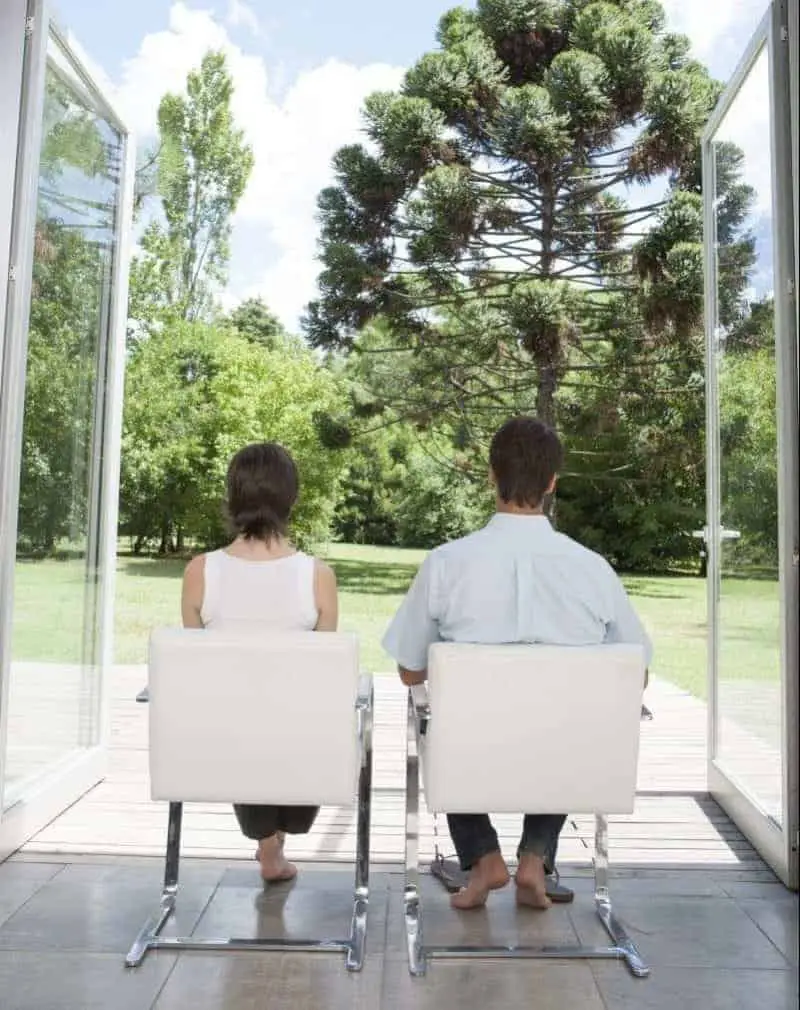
[
  {"x": 195, "y": 395},
  {"x": 203, "y": 168},
  {"x": 253, "y": 321},
  {"x": 60, "y": 377},
  {"x": 401, "y": 491},
  {"x": 749, "y": 465},
  {"x": 77, "y": 176}
]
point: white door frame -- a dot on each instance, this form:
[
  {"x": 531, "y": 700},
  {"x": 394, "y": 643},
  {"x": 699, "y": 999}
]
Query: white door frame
[{"x": 777, "y": 844}]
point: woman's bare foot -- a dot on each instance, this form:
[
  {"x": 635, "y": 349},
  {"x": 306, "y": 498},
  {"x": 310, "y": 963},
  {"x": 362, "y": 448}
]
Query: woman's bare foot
[
  {"x": 490, "y": 873},
  {"x": 275, "y": 866},
  {"x": 531, "y": 883}
]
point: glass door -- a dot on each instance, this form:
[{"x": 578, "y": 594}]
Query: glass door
[
  {"x": 752, "y": 447},
  {"x": 61, "y": 419}
]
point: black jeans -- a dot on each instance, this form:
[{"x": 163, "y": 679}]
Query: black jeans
[
  {"x": 259, "y": 822},
  {"x": 474, "y": 837}
]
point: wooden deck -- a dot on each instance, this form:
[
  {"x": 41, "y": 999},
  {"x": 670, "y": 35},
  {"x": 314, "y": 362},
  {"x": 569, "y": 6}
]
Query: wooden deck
[{"x": 675, "y": 825}]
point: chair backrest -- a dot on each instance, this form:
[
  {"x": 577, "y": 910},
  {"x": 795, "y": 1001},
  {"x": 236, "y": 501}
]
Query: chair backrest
[
  {"x": 533, "y": 728},
  {"x": 254, "y": 717}
]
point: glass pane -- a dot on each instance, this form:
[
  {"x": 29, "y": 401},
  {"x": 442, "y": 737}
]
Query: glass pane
[
  {"x": 749, "y": 708},
  {"x": 54, "y": 686}
]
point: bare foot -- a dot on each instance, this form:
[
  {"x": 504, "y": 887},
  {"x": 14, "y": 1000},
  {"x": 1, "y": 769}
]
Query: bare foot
[
  {"x": 275, "y": 866},
  {"x": 490, "y": 873},
  {"x": 531, "y": 884}
]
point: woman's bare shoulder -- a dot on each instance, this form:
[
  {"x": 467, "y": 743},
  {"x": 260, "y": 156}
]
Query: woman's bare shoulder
[
  {"x": 323, "y": 570},
  {"x": 195, "y": 568}
]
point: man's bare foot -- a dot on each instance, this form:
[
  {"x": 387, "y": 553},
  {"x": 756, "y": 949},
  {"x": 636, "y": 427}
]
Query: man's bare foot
[
  {"x": 531, "y": 882},
  {"x": 490, "y": 873},
  {"x": 275, "y": 866}
]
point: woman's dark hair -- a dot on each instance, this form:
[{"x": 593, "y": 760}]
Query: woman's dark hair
[
  {"x": 525, "y": 455},
  {"x": 262, "y": 489}
]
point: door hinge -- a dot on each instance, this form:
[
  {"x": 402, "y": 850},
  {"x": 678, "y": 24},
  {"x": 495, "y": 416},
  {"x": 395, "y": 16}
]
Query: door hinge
[
  {"x": 30, "y": 26},
  {"x": 12, "y": 274}
]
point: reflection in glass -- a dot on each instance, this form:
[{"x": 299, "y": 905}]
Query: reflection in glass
[
  {"x": 749, "y": 707},
  {"x": 54, "y": 679}
]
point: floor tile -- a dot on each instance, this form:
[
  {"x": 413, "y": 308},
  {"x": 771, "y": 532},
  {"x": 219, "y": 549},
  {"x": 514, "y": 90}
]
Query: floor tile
[
  {"x": 500, "y": 923},
  {"x": 696, "y": 989},
  {"x": 780, "y": 923},
  {"x": 480, "y": 985},
  {"x": 58, "y": 981},
  {"x": 19, "y": 881},
  {"x": 317, "y": 904},
  {"x": 773, "y": 890},
  {"x": 99, "y": 909},
  {"x": 690, "y": 884},
  {"x": 255, "y": 981},
  {"x": 685, "y": 932}
]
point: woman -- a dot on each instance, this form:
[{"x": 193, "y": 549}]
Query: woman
[{"x": 260, "y": 581}]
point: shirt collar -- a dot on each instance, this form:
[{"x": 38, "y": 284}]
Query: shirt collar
[{"x": 518, "y": 522}]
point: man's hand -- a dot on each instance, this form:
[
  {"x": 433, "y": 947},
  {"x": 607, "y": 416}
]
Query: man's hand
[{"x": 412, "y": 677}]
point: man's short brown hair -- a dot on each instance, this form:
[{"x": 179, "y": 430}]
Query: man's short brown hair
[
  {"x": 525, "y": 456},
  {"x": 262, "y": 488}
]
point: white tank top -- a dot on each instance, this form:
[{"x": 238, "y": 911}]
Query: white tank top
[{"x": 276, "y": 595}]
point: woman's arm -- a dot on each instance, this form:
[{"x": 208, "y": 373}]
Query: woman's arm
[
  {"x": 192, "y": 594},
  {"x": 326, "y": 597}
]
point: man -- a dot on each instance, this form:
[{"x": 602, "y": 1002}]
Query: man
[{"x": 516, "y": 580}]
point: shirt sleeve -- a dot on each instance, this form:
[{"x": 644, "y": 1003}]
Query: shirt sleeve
[
  {"x": 625, "y": 627},
  {"x": 414, "y": 628}
]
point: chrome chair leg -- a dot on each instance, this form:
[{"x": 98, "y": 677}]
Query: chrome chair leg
[
  {"x": 152, "y": 928},
  {"x": 625, "y": 947},
  {"x": 354, "y": 960},
  {"x": 417, "y": 962}
]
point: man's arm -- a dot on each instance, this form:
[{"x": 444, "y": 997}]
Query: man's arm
[
  {"x": 413, "y": 629},
  {"x": 625, "y": 626},
  {"x": 412, "y": 677}
]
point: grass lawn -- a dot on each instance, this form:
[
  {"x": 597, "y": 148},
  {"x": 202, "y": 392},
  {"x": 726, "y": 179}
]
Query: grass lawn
[{"x": 372, "y": 580}]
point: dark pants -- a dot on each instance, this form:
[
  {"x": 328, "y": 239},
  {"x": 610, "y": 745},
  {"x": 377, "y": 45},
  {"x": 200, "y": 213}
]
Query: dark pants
[
  {"x": 259, "y": 822},
  {"x": 474, "y": 837}
]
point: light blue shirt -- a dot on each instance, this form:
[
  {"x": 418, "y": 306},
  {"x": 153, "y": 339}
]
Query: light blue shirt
[{"x": 516, "y": 580}]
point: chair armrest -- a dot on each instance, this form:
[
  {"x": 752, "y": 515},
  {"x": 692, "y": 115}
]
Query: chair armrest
[
  {"x": 418, "y": 693},
  {"x": 365, "y": 692},
  {"x": 144, "y": 695}
]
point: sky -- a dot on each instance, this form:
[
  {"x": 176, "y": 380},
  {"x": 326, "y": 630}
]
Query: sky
[{"x": 301, "y": 72}]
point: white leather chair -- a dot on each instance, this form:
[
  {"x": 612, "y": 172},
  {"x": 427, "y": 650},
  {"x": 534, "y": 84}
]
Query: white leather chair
[
  {"x": 525, "y": 728},
  {"x": 225, "y": 710}
]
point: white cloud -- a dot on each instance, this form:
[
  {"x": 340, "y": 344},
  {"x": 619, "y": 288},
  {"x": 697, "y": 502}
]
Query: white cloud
[
  {"x": 240, "y": 15},
  {"x": 719, "y": 29},
  {"x": 747, "y": 125},
  {"x": 293, "y": 136}
]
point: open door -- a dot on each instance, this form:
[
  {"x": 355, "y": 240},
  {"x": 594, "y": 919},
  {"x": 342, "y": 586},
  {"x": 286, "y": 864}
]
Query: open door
[
  {"x": 751, "y": 334},
  {"x": 67, "y": 219}
]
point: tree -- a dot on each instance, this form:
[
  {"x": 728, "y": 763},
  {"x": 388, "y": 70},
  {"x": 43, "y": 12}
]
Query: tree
[
  {"x": 71, "y": 262},
  {"x": 203, "y": 168},
  {"x": 195, "y": 395},
  {"x": 486, "y": 224},
  {"x": 636, "y": 487},
  {"x": 253, "y": 321}
]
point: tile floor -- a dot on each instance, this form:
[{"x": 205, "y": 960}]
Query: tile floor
[{"x": 715, "y": 941}]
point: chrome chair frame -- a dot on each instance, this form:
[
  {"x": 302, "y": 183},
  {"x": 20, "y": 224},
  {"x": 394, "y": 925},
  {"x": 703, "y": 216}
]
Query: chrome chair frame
[
  {"x": 419, "y": 953},
  {"x": 354, "y": 947}
]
